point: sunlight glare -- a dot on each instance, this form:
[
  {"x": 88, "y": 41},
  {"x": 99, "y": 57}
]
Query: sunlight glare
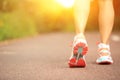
[{"x": 66, "y": 3}]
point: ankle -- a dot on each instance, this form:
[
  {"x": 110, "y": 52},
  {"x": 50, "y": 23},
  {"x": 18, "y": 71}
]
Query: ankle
[{"x": 80, "y": 36}]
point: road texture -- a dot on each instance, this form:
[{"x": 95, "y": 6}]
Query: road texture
[{"x": 45, "y": 57}]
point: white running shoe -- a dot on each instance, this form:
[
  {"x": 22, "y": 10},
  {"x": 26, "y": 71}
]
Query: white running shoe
[
  {"x": 107, "y": 59},
  {"x": 79, "y": 50}
]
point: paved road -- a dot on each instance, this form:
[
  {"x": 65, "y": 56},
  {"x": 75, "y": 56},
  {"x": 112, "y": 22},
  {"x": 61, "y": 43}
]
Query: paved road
[{"x": 45, "y": 57}]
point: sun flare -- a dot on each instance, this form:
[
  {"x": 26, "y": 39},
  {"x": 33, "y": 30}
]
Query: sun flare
[{"x": 66, "y": 3}]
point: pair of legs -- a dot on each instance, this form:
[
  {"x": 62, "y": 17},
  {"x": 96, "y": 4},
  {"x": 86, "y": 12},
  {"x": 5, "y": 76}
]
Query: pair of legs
[
  {"x": 106, "y": 20},
  {"x": 106, "y": 17}
]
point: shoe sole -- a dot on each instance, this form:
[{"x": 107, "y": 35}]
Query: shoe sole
[
  {"x": 79, "y": 51},
  {"x": 80, "y": 63},
  {"x": 104, "y": 60},
  {"x": 105, "y": 63}
]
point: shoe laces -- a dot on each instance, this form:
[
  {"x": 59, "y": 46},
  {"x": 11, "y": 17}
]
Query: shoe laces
[{"x": 103, "y": 48}]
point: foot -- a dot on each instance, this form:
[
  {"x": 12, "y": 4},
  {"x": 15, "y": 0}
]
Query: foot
[
  {"x": 79, "y": 51},
  {"x": 105, "y": 54}
]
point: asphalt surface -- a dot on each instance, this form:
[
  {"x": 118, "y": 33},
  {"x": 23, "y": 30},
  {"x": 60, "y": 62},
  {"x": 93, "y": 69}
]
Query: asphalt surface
[{"x": 45, "y": 57}]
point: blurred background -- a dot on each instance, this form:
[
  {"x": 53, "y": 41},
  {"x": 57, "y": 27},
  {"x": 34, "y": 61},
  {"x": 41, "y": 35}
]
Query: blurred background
[{"x": 21, "y": 18}]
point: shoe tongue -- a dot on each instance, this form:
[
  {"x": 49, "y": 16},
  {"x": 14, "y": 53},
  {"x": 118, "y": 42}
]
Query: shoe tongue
[{"x": 102, "y": 45}]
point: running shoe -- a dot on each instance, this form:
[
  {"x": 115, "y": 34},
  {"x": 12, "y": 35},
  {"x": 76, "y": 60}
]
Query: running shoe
[
  {"x": 107, "y": 59},
  {"x": 79, "y": 50}
]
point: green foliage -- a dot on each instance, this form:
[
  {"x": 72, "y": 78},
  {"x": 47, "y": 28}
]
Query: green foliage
[{"x": 16, "y": 24}]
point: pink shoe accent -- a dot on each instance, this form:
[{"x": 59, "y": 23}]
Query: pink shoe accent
[
  {"x": 81, "y": 63},
  {"x": 83, "y": 47}
]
